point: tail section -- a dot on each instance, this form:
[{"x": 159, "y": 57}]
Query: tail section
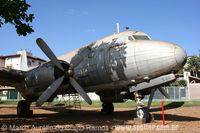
[{"x": 23, "y": 60}]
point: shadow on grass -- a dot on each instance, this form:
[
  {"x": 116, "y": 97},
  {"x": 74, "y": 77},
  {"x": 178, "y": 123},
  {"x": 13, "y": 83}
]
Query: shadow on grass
[
  {"x": 171, "y": 105},
  {"x": 66, "y": 116}
]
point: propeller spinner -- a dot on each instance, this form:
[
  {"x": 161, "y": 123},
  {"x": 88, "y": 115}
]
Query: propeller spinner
[{"x": 56, "y": 84}]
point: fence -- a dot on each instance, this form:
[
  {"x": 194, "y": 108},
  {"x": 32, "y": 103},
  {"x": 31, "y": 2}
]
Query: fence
[{"x": 176, "y": 93}]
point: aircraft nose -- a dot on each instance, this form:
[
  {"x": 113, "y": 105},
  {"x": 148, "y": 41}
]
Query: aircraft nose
[
  {"x": 180, "y": 55},
  {"x": 156, "y": 58}
]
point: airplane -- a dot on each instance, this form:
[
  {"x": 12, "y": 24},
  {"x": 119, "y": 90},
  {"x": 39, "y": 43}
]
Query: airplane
[{"x": 121, "y": 66}]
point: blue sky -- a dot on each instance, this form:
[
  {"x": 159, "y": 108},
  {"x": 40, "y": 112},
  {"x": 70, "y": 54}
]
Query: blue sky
[{"x": 69, "y": 24}]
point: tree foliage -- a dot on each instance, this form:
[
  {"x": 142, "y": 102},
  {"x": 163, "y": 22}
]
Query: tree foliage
[
  {"x": 193, "y": 66},
  {"x": 181, "y": 82},
  {"x": 15, "y": 12}
]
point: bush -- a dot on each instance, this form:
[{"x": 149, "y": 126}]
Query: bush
[{"x": 182, "y": 82}]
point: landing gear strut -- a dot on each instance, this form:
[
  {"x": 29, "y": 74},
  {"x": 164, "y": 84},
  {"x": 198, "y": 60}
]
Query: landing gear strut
[
  {"x": 107, "y": 108},
  {"x": 23, "y": 109},
  {"x": 142, "y": 112}
]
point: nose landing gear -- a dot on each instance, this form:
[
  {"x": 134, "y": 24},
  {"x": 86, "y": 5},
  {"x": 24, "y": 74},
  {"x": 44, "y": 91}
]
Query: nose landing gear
[{"x": 142, "y": 112}]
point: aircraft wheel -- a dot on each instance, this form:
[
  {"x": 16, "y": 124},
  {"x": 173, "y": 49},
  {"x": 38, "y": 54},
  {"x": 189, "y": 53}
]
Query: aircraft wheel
[
  {"x": 23, "y": 109},
  {"x": 143, "y": 113},
  {"x": 107, "y": 108}
]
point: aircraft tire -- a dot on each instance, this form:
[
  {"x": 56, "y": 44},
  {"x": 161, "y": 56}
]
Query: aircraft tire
[
  {"x": 107, "y": 108},
  {"x": 23, "y": 109},
  {"x": 143, "y": 113}
]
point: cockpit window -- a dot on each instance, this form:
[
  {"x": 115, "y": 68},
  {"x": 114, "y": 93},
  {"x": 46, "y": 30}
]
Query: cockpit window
[
  {"x": 130, "y": 38},
  {"x": 141, "y": 37},
  {"x": 123, "y": 39}
]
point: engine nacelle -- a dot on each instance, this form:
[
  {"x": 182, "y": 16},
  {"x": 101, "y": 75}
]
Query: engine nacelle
[
  {"x": 40, "y": 76},
  {"x": 38, "y": 79}
]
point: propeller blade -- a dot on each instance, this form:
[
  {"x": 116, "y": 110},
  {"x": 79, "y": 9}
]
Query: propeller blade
[
  {"x": 48, "y": 52},
  {"x": 80, "y": 90},
  {"x": 151, "y": 98},
  {"x": 163, "y": 91},
  {"x": 49, "y": 91}
]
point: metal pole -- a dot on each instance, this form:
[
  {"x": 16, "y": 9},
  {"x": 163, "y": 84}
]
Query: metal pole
[
  {"x": 163, "y": 112},
  {"x": 117, "y": 27}
]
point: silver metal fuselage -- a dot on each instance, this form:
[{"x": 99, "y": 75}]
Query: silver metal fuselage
[
  {"x": 115, "y": 62},
  {"x": 111, "y": 65}
]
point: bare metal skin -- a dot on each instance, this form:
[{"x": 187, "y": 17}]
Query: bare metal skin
[
  {"x": 109, "y": 67},
  {"x": 121, "y": 64}
]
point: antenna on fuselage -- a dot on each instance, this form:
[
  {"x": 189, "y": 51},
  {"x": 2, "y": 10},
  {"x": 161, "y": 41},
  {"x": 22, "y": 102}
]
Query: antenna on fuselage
[
  {"x": 126, "y": 28},
  {"x": 117, "y": 24}
]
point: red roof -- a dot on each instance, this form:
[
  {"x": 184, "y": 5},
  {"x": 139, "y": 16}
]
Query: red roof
[
  {"x": 36, "y": 58},
  {"x": 9, "y": 56},
  {"x": 18, "y": 55}
]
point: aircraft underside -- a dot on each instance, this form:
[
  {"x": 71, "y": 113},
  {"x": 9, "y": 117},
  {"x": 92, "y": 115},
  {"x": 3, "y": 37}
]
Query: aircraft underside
[{"x": 114, "y": 95}]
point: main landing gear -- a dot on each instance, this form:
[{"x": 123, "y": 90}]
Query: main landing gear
[
  {"x": 142, "y": 112},
  {"x": 107, "y": 108},
  {"x": 23, "y": 109}
]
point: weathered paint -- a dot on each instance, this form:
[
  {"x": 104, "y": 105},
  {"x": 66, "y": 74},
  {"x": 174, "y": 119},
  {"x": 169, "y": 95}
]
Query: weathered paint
[
  {"x": 111, "y": 63},
  {"x": 108, "y": 63}
]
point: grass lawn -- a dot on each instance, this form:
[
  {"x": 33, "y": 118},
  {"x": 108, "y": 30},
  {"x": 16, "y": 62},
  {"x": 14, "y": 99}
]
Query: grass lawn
[{"x": 128, "y": 104}]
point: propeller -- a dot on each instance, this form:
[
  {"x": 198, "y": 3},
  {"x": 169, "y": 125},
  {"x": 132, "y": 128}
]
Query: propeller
[
  {"x": 55, "y": 85},
  {"x": 49, "y": 91},
  {"x": 49, "y": 53}
]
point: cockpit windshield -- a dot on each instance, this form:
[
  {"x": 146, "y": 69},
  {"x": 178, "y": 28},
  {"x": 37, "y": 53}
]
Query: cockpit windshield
[
  {"x": 123, "y": 39},
  {"x": 141, "y": 37}
]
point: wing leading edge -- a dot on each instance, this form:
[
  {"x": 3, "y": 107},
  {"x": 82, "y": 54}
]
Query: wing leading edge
[{"x": 11, "y": 77}]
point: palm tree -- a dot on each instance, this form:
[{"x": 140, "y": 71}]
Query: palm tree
[{"x": 193, "y": 65}]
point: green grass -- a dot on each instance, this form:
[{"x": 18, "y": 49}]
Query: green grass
[
  {"x": 131, "y": 104},
  {"x": 128, "y": 104},
  {"x": 8, "y": 102},
  {"x": 192, "y": 103}
]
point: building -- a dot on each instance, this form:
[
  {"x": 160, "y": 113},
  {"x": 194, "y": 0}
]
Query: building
[
  {"x": 193, "y": 85},
  {"x": 23, "y": 60}
]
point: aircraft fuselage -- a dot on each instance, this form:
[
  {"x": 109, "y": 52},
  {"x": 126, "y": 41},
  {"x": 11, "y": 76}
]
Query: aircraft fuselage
[
  {"x": 115, "y": 62},
  {"x": 110, "y": 65}
]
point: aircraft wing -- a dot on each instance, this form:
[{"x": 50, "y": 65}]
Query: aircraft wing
[
  {"x": 153, "y": 82},
  {"x": 11, "y": 77}
]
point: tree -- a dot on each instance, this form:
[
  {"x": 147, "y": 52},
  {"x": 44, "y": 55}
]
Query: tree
[
  {"x": 15, "y": 13},
  {"x": 181, "y": 82},
  {"x": 193, "y": 65}
]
